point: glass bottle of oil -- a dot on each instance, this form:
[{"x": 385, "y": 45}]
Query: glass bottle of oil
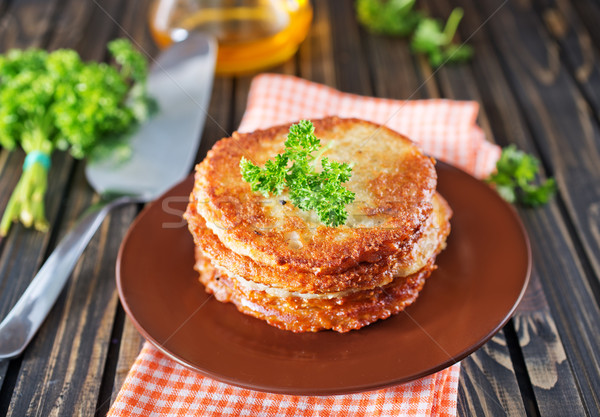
[{"x": 252, "y": 34}]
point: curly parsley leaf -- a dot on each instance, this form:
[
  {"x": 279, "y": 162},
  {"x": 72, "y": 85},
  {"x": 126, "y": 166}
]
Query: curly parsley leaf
[
  {"x": 514, "y": 179},
  {"x": 430, "y": 39},
  {"x": 309, "y": 189},
  {"x": 391, "y": 17},
  {"x": 429, "y": 36}
]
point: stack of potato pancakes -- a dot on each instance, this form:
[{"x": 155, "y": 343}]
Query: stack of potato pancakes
[{"x": 281, "y": 264}]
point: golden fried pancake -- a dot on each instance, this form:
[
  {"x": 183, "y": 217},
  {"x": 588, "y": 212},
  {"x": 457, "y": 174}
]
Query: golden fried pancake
[
  {"x": 360, "y": 277},
  {"x": 393, "y": 181},
  {"x": 303, "y": 313}
]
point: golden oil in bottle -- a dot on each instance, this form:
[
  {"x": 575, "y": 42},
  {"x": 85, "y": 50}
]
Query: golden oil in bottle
[{"x": 252, "y": 34}]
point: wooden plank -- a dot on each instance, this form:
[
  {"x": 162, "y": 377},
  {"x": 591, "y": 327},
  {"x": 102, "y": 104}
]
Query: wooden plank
[
  {"x": 62, "y": 369},
  {"x": 396, "y": 72},
  {"x": 558, "y": 115},
  {"x": 69, "y": 24},
  {"x": 3, "y": 370},
  {"x": 573, "y": 313},
  {"x": 14, "y": 281},
  {"x": 23, "y": 250},
  {"x": 487, "y": 382},
  {"x": 101, "y": 27},
  {"x": 351, "y": 68},
  {"x": 559, "y": 119},
  {"x": 25, "y": 23},
  {"x": 551, "y": 377},
  {"x": 589, "y": 12},
  {"x": 219, "y": 118},
  {"x": 129, "y": 348},
  {"x": 576, "y": 46},
  {"x": 316, "y": 61},
  {"x": 15, "y": 32},
  {"x": 242, "y": 87},
  {"x": 549, "y": 233},
  {"x": 71, "y": 346}
]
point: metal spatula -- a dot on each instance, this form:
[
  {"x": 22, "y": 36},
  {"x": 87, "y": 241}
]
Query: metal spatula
[{"x": 163, "y": 150}]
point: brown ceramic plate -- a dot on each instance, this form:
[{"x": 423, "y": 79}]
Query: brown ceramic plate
[{"x": 480, "y": 280}]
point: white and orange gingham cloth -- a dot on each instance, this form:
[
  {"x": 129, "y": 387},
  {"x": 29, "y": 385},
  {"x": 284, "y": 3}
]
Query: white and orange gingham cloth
[{"x": 445, "y": 129}]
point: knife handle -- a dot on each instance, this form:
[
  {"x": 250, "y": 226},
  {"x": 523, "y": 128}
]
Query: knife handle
[{"x": 28, "y": 314}]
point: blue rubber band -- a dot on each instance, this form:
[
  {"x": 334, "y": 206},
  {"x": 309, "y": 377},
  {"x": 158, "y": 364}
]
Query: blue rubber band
[{"x": 38, "y": 157}]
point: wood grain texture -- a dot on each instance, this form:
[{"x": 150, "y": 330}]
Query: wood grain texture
[
  {"x": 26, "y": 23},
  {"x": 316, "y": 60},
  {"x": 351, "y": 67},
  {"x": 535, "y": 74},
  {"x": 511, "y": 124},
  {"x": 549, "y": 371},
  {"x": 69, "y": 23},
  {"x": 573, "y": 312},
  {"x": 102, "y": 26},
  {"x": 62, "y": 368},
  {"x": 3, "y": 369},
  {"x": 25, "y": 249},
  {"x": 558, "y": 115},
  {"x": 129, "y": 348},
  {"x": 488, "y": 386},
  {"x": 386, "y": 55},
  {"x": 576, "y": 46},
  {"x": 589, "y": 13},
  {"x": 219, "y": 117},
  {"x": 240, "y": 98}
]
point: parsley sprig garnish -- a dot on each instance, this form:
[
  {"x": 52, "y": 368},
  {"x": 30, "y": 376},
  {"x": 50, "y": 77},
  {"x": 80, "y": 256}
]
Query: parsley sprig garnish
[
  {"x": 437, "y": 42},
  {"x": 514, "y": 179},
  {"x": 295, "y": 169},
  {"x": 388, "y": 17},
  {"x": 429, "y": 36}
]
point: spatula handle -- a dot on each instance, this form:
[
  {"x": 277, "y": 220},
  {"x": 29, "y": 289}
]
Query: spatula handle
[{"x": 26, "y": 317}]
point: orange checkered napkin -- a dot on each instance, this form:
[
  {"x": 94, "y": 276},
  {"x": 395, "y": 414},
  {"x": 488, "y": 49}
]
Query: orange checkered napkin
[
  {"x": 444, "y": 129},
  {"x": 157, "y": 386}
]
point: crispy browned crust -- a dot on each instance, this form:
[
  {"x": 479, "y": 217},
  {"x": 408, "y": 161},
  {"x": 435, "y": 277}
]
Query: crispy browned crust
[
  {"x": 341, "y": 314},
  {"x": 394, "y": 183},
  {"x": 361, "y": 277}
]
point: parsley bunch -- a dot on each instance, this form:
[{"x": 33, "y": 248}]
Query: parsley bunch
[
  {"x": 429, "y": 36},
  {"x": 55, "y": 101},
  {"x": 514, "y": 179},
  {"x": 295, "y": 169}
]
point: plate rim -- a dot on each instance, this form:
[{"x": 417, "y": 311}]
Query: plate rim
[{"x": 337, "y": 390}]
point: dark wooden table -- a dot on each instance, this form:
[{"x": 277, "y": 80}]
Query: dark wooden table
[{"x": 536, "y": 74}]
